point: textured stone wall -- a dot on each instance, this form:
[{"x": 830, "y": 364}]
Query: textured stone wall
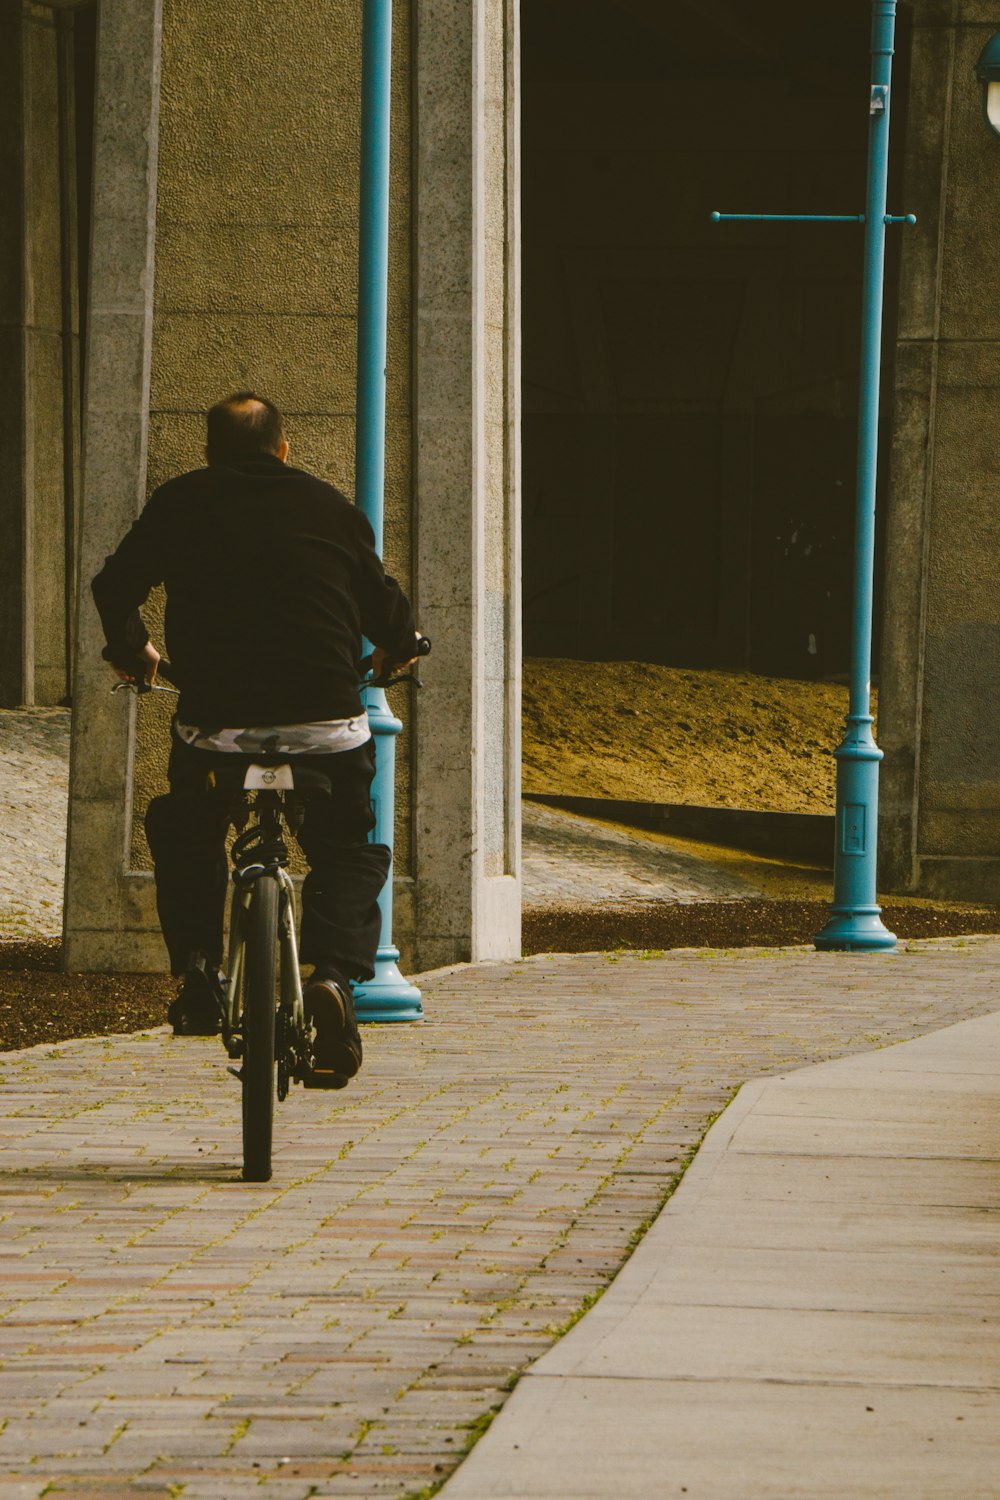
[
  {"x": 38, "y": 334},
  {"x": 256, "y": 263},
  {"x": 12, "y": 393},
  {"x": 44, "y": 317},
  {"x": 941, "y": 640}
]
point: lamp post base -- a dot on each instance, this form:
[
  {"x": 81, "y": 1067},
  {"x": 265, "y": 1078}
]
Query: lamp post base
[
  {"x": 387, "y": 997},
  {"x": 854, "y": 924},
  {"x": 853, "y": 929}
]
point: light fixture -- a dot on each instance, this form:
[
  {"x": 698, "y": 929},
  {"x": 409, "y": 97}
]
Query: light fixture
[{"x": 988, "y": 73}]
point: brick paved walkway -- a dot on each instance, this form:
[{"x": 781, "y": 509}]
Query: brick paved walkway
[{"x": 168, "y": 1330}]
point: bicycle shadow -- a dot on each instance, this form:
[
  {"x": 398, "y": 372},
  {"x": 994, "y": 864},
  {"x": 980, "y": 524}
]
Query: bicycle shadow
[{"x": 103, "y": 1172}]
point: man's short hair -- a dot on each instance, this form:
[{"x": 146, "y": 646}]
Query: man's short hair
[{"x": 242, "y": 424}]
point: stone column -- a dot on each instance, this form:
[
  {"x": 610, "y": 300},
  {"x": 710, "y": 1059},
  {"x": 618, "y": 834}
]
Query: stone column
[
  {"x": 940, "y": 688},
  {"x": 14, "y": 640},
  {"x": 37, "y": 354},
  {"x": 110, "y": 921},
  {"x": 467, "y": 518}
]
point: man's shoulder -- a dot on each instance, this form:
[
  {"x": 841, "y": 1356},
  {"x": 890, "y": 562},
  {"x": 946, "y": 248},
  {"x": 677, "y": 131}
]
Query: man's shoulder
[
  {"x": 210, "y": 480},
  {"x": 321, "y": 487},
  {"x": 180, "y": 484}
]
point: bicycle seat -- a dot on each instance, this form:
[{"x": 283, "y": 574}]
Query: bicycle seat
[
  {"x": 277, "y": 778},
  {"x": 285, "y": 776}
]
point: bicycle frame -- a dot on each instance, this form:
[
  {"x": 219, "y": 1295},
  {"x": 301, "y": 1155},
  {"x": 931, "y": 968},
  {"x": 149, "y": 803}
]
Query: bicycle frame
[
  {"x": 291, "y": 982},
  {"x": 260, "y": 853}
]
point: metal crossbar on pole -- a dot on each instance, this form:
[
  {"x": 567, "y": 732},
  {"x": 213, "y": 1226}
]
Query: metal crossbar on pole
[
  {"x": 855, "y": 917},
  {"x": 718, "y": 218},
  {"x": 387, "y": 997}
]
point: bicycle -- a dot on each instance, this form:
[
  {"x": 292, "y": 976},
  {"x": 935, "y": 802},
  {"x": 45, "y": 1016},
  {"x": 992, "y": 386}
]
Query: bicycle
[{"x": 264, "y": 1027}]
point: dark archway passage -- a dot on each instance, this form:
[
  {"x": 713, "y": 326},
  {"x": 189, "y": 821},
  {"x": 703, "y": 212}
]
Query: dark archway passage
[{"x": 690, "y": 391}]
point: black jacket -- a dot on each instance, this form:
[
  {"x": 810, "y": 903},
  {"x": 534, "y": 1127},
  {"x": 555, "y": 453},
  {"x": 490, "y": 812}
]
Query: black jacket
[{"x": 271, "y": 578}]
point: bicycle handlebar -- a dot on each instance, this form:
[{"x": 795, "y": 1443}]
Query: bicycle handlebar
[
  {"x": 386, "y": 678},
  {"x": 163, "y": 669}
]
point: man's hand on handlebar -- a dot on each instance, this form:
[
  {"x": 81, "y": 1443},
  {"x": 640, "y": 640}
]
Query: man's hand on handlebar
[
  {"x": 145, "y": 667},
  {"x": 386, "y": 671},
  {"x": 381, "y": 659}
]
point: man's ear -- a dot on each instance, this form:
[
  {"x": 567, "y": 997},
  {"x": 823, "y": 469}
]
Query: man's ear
[{"x": 283, "y": 449}]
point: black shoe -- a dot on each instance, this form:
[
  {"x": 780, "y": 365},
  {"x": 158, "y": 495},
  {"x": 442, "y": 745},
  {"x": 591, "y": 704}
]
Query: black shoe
[
  {"x": 197, "y": 1011},
  {"x": 336, "y": 1056}
]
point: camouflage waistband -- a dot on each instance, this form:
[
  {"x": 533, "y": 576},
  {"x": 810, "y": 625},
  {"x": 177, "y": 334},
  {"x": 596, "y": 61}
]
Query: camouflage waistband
[{"x": 327, "y": 737}]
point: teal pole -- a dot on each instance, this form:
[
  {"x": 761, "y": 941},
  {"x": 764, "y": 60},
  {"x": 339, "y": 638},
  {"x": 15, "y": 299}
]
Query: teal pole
[
  {"x": 855, "y": 921},
  {"x": 387, "y": 997},
  {"x": 855, "y": 917}
]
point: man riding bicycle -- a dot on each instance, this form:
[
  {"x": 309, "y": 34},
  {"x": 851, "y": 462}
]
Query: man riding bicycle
[{"x": 272, "y": 579}]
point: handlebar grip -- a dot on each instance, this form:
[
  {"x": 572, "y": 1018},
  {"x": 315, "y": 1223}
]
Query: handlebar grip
[{"x": 367, "y": 663}]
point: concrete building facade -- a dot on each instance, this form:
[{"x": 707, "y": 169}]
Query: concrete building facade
[
  {"x": 940, "y": 679},
  {"x": 225, "y": 256},
  {"x": 183, "y": 181}
]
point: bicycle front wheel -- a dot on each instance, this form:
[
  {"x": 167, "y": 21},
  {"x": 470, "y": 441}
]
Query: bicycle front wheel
[{"x": 258, "y": 1029}]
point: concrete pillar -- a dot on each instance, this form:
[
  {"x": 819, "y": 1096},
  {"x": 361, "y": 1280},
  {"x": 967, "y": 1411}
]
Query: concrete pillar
[
  {"x": 467, "y": 523},
  {"x": 940, "y": 688},
  {"x": 109, "y": 922},
  {"x": 38, "y": 356},
  {"x": 14, "y": 635}
]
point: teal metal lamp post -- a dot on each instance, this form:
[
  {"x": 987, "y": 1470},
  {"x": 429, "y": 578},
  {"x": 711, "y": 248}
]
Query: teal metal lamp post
[
  {"x": 855, "y": 920},
  {"x": 855, "y": 917},
  {"x": 387, "y": 997}
]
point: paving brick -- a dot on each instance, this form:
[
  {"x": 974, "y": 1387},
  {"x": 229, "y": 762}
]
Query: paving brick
[{"x": 425, "y": 1233}]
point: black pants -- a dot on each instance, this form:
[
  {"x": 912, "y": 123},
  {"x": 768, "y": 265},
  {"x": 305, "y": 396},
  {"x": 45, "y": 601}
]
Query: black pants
[{"x": 186, "y": 829}]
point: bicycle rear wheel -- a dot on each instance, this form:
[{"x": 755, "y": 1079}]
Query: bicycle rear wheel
[{"x": 258, "y": 1030}]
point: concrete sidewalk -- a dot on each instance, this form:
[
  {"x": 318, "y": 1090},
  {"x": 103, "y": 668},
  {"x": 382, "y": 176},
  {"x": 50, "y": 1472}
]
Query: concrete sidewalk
[
  {"x": 815, "y": 1313},
  {"x": 348, "y": 1328}
]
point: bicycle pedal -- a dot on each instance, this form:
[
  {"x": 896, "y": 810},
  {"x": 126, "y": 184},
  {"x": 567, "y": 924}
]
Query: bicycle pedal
[{"x": 324, "y": 1080}]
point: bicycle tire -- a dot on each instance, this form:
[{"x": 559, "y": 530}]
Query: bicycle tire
[{"x": 257, "y": 1074}]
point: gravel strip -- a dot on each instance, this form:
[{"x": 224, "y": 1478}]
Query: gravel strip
[{"x": 588, "y": 928}]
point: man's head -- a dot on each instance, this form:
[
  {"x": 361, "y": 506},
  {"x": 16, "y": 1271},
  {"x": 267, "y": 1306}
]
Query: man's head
[{"x": 242, "y": 425}]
